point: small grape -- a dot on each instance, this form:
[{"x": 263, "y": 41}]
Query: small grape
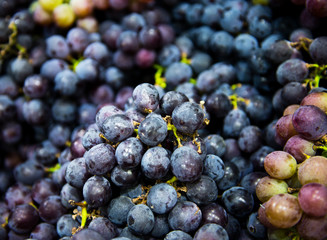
[
  {"x": 313, "y": 170},
  {"x": 280, "y": 165},
  {"x": 268, "y": 187}
]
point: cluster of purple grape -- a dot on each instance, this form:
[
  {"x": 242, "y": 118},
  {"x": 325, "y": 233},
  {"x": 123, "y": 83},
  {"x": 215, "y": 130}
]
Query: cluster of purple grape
[{"x": 140, "y": 119}]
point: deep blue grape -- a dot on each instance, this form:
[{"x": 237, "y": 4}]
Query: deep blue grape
[
  {"x": 118, "y": 209},
  {"x": 202, "y": 191},
  {"x": 97, "y": 191},
  {"x": 65, "y": 225},
  {"x": 162, "y": 198},
  {"x": 140, "y": 219}
]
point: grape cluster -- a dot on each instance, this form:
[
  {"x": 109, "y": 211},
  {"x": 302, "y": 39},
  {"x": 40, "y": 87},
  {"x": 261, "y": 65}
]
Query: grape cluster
[{"x": 174, "y": 120}]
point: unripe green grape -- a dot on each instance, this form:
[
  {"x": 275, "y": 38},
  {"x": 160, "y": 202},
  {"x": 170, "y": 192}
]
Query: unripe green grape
[
  {"x": 268, "y": 187},
  {"x": 50, "y": 5},
  {"x": 64, "y": 15}
]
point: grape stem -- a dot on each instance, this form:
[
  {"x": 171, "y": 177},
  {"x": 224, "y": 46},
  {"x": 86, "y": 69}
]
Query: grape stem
[{"x": 158, "y": 78}]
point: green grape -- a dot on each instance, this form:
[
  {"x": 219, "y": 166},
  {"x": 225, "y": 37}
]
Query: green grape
[
  {"x": 50, "y": 5},
  {"x": 64, "y": 15},
  {"x": 268, "y": 187}
]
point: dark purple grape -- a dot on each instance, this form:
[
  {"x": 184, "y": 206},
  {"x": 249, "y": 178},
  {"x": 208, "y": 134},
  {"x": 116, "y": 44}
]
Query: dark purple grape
[
  {"x": 316, "y": 8},
  {"x": 44, "y": 231},
  {"x": 170, "y": 100},
  {"x": 59, "y": 135},
  {"x": 77, "y": 39},
  {"x": 118, "y": 209},
  {"x": 185, "y": 216},
  {"x": 299, "y": 148},
  {"x": 146, "y": 97},
  {"x": 188, "y": 117},
  {"x": 117, "y": 128},
  {"x": 20, "y": 69},
  {"x": 100, "y": 159},
  {"x": 124, "y": 178},
  {"x": 105, "y": 112},
  {"x": 29, "y": 172},
  {"x": 178, "y": 234},
  {"x": 243, "y": 164},
  {"x": 250, "y": 139},
  {"x": 65, "y": 225},
  {"x": 23, "y": 219},
  {"x": 292, "y": 70},
  {"x": 155, "y": 163},
  {"x": 202, "y": 191},
  {"x": 66, "y": 82},
  {"x": 218, "y": 104},
  {"x": 87, "y": 70},
  {"x": 64, "y": 110},
  {"x": 99, "y": 52},
  {"x": 76, "y": 173},
  {"x": 214, "y": 213},
  {"x": 238, "y": 201},
  {"x": 11, "y": 132},
  {"x": 250, "y": 181},
  {"x": 215, "y": 144},
  {"x": 150, "y": 37},
  {"x": 152, "y": 130},
  {"x": 162, "y": 198},
  {"x": 211, "y": 231},
  {"x": 44, "y": 188},
  {"x": 97, "y": 191},
  {"x": 145, "y": 58},
  {"x": 68, "y": 193},
  {"x": 52, "y": 67},
  {"x": 234, "y": 122},
  {"x": 8, "y": 86},
  {"x": 177, "y": 73},
  {"x": 51, "y": 209},
  {"x": 35, "y": 112},
  {"x": 128, "y": 41},
  {"x": 140, "y": 219},
  {"x": 186, "y": 164},
  {"x": 129, "y": 153},
  {"x": 57, "y": 47},
  {"x": 230, "y": 178},
  {"x": 87, "y": 234},
  {"x": 103, "y": 226},
  {"x": 312, "y": 227}
]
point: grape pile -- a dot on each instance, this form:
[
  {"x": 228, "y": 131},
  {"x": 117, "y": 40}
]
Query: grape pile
[{"x": 173, "y": 120}]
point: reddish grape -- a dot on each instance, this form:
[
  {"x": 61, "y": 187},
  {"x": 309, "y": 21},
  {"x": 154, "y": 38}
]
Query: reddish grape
[
  {"x": 299, "y": 148},
  {"x": 285, "y": 128},
  {"x": 312, "y": 228},
  {"x": 317, "y": 8},
  {"x": 283, "y": 210},
  {"x": 290, "y": 109},
  {"x": 312, "y": 198},
  {"x": 310, "y": 122},
  {"x": 318, "y": 99}
]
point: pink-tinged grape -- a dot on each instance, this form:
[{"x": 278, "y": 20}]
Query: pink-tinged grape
[
  {"x": 262, "y": 217},
  {"x": 280, "y": 165},
  {"x": 64, "y": 15},
  {"x": 268, "y": 187},
  {"x": 312, "y": 228},
  {"x": 317, "y": 8},
  {"x": 299, "y": 148},
  {"x": 310, "y": 122},
  {"x": 50, "y": 5},
  {"x": 290, "y": 109},
  {"x": 312, "y": 198},
  {"x": 101, "y": 4},
  {"x": 82, "y": 8},
  {"x": 313, "y": 169},
  {"x": 41, "y": 16},
  {"x": 283, "y": 210},
  {"x": 318, "y": 99},
  {"x": 285, "y": 128},
  {"x": 90, "y": 24}
]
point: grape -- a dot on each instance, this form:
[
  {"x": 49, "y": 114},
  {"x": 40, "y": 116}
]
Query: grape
[
  {"x": 118, "y": 209},
  {"x": 255, "y": 227},
  {"x": 124, "y": 178},
  {"x": 162, "y": 198},
  {"x": 214, "y": 213},
  {"x": 51, "y": 209},
  {"x": 177, "y": 73},
  {"x": 65, "y": 225},
  {"x": 218, "y": 104},
  {"x": 299, "y": 148},
  {"x": 285, "y": 127},
  {"x": 186, "y": 164},
  {"x": 311, "y": 199},
  {"x": 250, "y": 139},
  {"x": 188, "y": 117},
  {"x": 178, "y": 234},
  {"x": 230, "y": 178},
  {"x": 215, "y": 145},
  {"x": 257, "y": 158},
  {"x": 268, "y": 187},
  {"x": 82, "y": 8},
  {"x": 238, "y": 201},
  {"x": 234, "y": 122},
  {"x": 44, "y": 188},
  {"x": 76, "y": 173},
  {"x": 170, "y": 100},
  {"x": 313, "y": 170},
  {"x": 87, "y": 234},
  {"x": 290, "y": 109},
  {"x": 152, "y": 130},
  {"x": 211, "y": 231},
  {"x": 283, "y": 210},
  {"x": 292, "y": 70},
  {"x": 44, "y": 231},
  {"x": 161, "y": 227},
  {"x": 140, "y": 219},
  {"x": 100, "y": 159},
  {"x": 117, "y": 127},
  {"x": 155, "y": 163},
  {"x": 312, "y": 227},
  {"x": 146, "y": 97},
  {"x": 280, "y": 165},
  {"x": 63, "y": 15},
  {"x": 250, "y": 181},
  {"x": 97, "y": 191},
  {"x": 203, "y": 191},
  {"x": 185, "y": 216},
  {"x": 103, "y": 226},
  {"x": 49, "y": 5},
  {"x": 23, "y": 219}
]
